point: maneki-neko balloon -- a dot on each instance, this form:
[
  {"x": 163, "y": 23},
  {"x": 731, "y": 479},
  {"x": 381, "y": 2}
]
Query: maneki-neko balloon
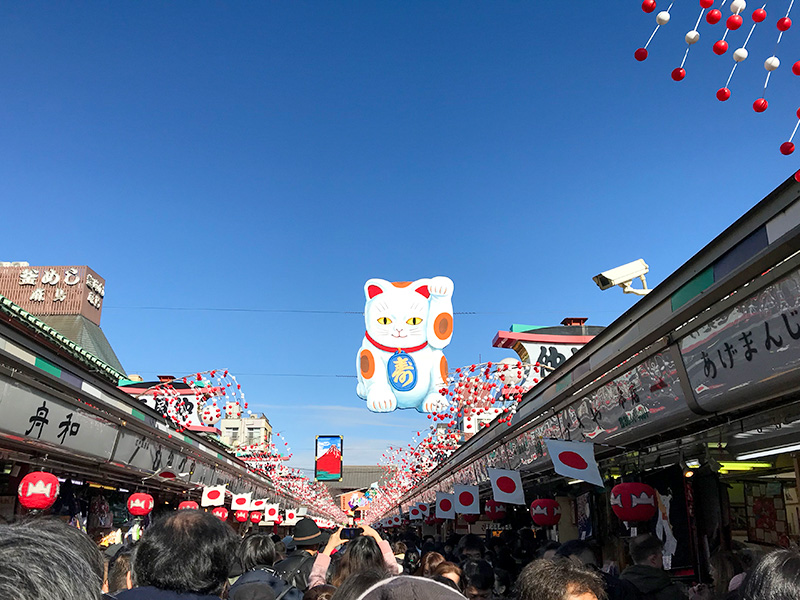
[{"x": 408, "y": 324}]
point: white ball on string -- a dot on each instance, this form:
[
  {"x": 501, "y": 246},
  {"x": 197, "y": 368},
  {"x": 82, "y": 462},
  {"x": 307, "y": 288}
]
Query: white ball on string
[
  {"x": 738, "y": 6},
  {"x": 740, "y": 54},
  {"x": 692, "y": 37},
  {"x": 662, "y": 18},
  {"x": 772, "y": 63}
]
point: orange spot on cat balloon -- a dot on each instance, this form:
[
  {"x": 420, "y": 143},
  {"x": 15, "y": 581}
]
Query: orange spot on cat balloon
[
  {"x": 401, "y": 284},
  {"x": 443, "y": 368},
  {"x": 367, "y": 364},
  {"x": 443, "y": 326}
]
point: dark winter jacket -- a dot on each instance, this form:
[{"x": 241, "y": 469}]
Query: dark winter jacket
[
  {"x": 265, "y": 576},
  {"x": 151, "y": 593},
  {"x": 652, "y": 583},
  {"x": 295, "y": 568}
]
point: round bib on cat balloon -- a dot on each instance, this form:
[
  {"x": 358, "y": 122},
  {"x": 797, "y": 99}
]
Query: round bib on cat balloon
[{"x": 402, "y": 371}]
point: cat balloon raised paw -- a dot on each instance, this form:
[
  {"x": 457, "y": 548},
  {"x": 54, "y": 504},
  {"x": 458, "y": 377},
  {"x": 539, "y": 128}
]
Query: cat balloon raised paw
[{"x": 401, "y": 364}]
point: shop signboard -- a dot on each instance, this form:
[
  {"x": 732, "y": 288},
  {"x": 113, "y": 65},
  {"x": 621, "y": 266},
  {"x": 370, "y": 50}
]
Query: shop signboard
[
  {"x": 42, "y": 419},
  {"x": 146, "y": 454},
  {"x": 751, "y": 350}
]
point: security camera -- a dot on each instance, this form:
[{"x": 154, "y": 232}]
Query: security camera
[{"x": 623, "y": 277}]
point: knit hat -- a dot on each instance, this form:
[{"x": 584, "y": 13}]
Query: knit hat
[{"x": 306, "y": 533}]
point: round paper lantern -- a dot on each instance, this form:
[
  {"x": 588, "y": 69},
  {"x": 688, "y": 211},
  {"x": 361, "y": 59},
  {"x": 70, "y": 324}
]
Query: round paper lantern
[
  {"x": 221, "y": 513},
  {"x": 278, "y": 520},
  {"x": 495, "y": 510},
  {"x": 38, "y": 490},
  {"x": 545, "y": 512},
  {"x": 633, "y": 502},
  {"x": 241, "y": 515},
  {"x": 255, "y": 516},
  {"x": 188, "y": 505},
  {"x": 471, "y": 518},
  {"x": 140, "y": 504}
]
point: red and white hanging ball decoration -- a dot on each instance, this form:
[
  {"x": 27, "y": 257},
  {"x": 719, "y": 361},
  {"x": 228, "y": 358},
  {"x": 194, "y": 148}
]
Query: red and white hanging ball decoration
[
  {"x": 255, "y": 516},
  {"x": 210, "y": 414},
  {"x": 38, "y": 490},
  {"x": 496, "y": 511},
  {"x": 633, "y": 502},
  {"x": 545, "y": 512},
  {"x": 221, "y": 513},
  {"x": 188, "y": 505},
  {"x": 140, "y": 504},
  {"x": 241, "y": 515}
]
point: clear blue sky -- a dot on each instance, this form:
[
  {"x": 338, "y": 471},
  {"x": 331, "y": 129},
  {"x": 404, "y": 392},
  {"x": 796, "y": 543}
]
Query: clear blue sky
[{"x": 276, "y": 155}]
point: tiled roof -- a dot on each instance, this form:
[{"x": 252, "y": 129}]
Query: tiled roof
[
  {"x": 355, "y": 478},
  {"x": 87, "y": 335}
]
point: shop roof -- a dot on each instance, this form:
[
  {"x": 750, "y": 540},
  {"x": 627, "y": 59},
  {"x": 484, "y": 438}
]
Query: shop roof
[{"x": 87, "y": 335}]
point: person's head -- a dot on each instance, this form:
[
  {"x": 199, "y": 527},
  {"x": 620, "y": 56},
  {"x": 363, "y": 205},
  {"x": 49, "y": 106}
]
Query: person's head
[
  {"x": 81, "y": 542},
  {"x": 36, "y": 566},
  {"x": 560, "y": 579},
  {"x": 280, "y": 551},
  {"x": 256, "y": 549},
  {"x": 448, "y": 570},
  {"x": 578, "y": 549},
  {"x": 724, "y": 566},
  {"x": 252, "y": 590},
  {"x": 360, "y": 554},
  {"x": 189, "y": 551},
  {"x": 548, "y": 550},
  {"x": 647, "y": 550},
  {"x": 306, "y": 536},
  {"x": 428, "y": 564},
  {"x": 405, "y": 587},
  {"x": 775, "y": 577},
  {"x": 320, "y": 592},
  {"x": 357, "y": 583},
  {"x": 477, "y": 579},
  {"x": 470, "y": 547},
  {"x": 399, "y": 548},
  {"x": 119, "y": 570}
]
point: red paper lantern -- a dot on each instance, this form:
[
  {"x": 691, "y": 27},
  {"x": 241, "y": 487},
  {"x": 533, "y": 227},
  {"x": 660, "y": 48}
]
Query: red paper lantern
[
  {"x": 633, "y": 502},
  {"x": 140, "y": 504},
  {"x": 241, "y": 515},
  {"x": 278, "y": 520},
  {"x": 545, "y": 512},
  {"x": 496, "y": 511},
  {"x": 471, "y": 518},
  {"x": 255, "y": 516},
  {"x": 38, "y": 490},
  {"x": 188, "y": 505},
  {"x": 221, "y": 513}
]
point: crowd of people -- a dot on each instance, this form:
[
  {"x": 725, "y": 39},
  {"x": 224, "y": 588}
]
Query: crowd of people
[{"x": 191, "y": 555}]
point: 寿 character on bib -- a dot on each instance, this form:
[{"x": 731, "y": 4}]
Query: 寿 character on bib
[{"x": 401, "y": 364}]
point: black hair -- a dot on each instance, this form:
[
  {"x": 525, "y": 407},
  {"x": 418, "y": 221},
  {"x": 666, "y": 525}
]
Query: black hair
[
  {"x": 470, "y": 541},
  {"x": 478, "y": 574},
  {"x": 118, "y": 568},
  {"x": 189, "y": 551},
  {"x": 79, "y": 541},
  {"x": 642, "y": 547},
  {"x": 553, "y": 579},
  {"x": 36, "y": 566},
  {"x": 775, "y": 577},
  {"x": 256, "y": 549},
  {"x": 359, "y": 582},
  {"x": 360, "y": 554},
  {"x": 577, "y": 548}
]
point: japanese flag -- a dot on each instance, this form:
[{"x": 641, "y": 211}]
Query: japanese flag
[
  {"x": 414, "y": 513},
  {"x": 291, "y": 517},
  {"x": 258, "y": 504},
  {"x": 213, "y": 496},
  {"x": 445, "y": 506},
  {"x": 396, "y": 520},
  {"x": 467, "y": 499},
  {"x": 507, "y": 486},
  {"x": 574, "y": 460},
  {"x": 271, "y": 512},
  {"x": 241, "y": 501},
  {"x": 424, "y": 508}
]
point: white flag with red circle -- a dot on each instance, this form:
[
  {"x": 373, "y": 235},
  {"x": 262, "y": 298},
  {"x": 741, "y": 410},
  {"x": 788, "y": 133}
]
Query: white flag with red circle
[
  {"x": 507, "y": 486},
  {"x": 574, "y": 460},
  {"x": 445, "y": 506},
  {"x": 467, "y": 499},
  {"x": 271, "y": 512},
  {"x": 424, "y": 508},
  {"x": 291, "y": 517},
  {"x": 241, "y": 501},
  {"x": 414, "y": 513},
  {"x": 258, "y": 504},
  {"x": 213, "y": 496}
]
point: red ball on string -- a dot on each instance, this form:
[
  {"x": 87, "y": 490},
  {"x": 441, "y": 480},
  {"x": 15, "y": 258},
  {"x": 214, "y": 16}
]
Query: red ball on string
[
  {"x": 797, "y": 176},
  {"x": 784, "y": 24},
  {"x": 734, "y": 22},
  {"x": 640, "y": 54},
  {"x": 678, "y": 74},
  {"x": 760, "y": 105},
  {"x": 706, "y": 3},
  {"x": 720, "y": 47},
  {"x": 798, "y": 113},
  {"x": 723, "y": 94},
  {"x": 759, "y": 15},
  {"x": 714, "y": 16},
  {"x": 787, "y": 148},
  {"x": 649, "y": 6},
  {"x": 796, "y": 68}
]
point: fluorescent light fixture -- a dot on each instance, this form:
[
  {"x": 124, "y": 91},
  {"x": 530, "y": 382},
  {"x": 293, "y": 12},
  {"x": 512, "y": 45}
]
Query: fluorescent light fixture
[
  {"x": 693, "y": 464},
  {"x": 574, "y": 481},
  {"x": 744, "y": 466},
  {"x": 768, "y": 452}
]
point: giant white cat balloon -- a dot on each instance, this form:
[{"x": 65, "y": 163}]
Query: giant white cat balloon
[{"x": 401, "y": 364}]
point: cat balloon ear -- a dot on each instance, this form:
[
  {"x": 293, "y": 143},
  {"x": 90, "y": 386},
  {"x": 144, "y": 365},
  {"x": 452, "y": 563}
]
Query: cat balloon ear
[{"x": 374, "y": 287}]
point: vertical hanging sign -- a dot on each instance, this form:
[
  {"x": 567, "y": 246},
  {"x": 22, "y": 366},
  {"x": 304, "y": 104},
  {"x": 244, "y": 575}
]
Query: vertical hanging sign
[{"x": 328, "y": 458}]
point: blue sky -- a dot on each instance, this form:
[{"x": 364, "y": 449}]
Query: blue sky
[{"x": 273, "y": 156}]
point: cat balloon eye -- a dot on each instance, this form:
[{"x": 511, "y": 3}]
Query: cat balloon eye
[
  {"x": 384, "y": 320},
  {"x": 414, "y": 321}
]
